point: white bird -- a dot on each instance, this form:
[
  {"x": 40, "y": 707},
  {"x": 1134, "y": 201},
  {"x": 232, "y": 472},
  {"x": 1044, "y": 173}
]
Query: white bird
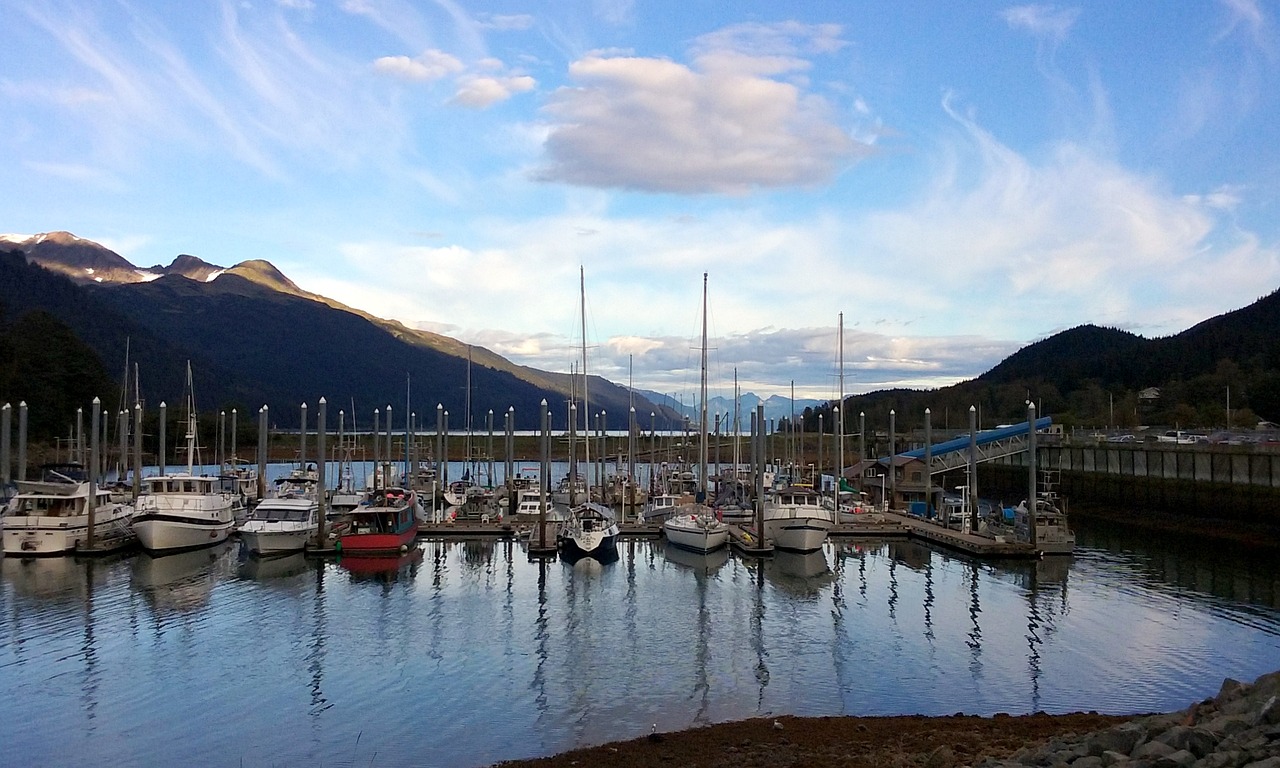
[{"x": 777, "y": 725}]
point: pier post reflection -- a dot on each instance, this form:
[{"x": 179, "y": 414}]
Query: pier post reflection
[
  {"x": 974, "y": 640},
  {"x": 757, "y": 637},
  {"x": 316, "y": 649}
]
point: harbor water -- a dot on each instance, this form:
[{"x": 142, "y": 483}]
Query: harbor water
[{"x": 465, "y": 653}]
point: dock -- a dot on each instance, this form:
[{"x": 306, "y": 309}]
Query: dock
[
  {"x": 900, "y": 524},
  {"x": 743, "y": 540}
]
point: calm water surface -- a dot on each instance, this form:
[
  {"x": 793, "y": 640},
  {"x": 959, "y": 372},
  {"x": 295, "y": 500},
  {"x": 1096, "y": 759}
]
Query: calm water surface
[{"x": 466, "y": 653}]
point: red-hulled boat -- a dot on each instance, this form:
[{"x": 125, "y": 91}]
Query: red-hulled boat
[{"x": 385, "y": 523}]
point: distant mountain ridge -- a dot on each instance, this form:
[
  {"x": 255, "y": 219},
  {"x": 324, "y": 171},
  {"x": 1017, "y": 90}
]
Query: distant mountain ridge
[
  {"x": 776, "y": 407},
  {"x": 254, "y": 336}
]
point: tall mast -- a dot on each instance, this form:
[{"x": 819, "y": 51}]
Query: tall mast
[
  {"x": 468, "y": 407},
  {"x": 586, "y": 417},
  {"x": 840, "y": 419},
  {"x": 737, "y": 450},
  {"x": 702, "y": 423},
  {"x": 191, "y": 422}
]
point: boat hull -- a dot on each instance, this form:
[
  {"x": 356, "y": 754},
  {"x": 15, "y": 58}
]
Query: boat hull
[
  {"x": 269, "y": 542},
  {"x": 695, "y": 535},
  {"x": 26, "y": 536},
  {"x": 797, "y": 534},
  {"x": 163, "y": 533},
  {"x": 376, "y": 543}
]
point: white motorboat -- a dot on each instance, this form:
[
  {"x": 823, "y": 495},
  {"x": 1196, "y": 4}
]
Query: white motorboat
[
  {"x": 696, "y": 528},
  {"x": 288, "y": 519},
  {"x": 529, "y": 506},
  {"x": 185, "y": 511},
  {"x": 796, "y": 519},
  {"x": 51, "y": 516}
]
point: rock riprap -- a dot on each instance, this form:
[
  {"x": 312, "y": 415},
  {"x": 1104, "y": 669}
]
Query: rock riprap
[{"x": 1238, "y": 728}]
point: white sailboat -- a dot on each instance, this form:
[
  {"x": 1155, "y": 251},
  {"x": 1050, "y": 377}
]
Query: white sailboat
[
  {"x": 695, "y": 526},
  {"x": 590, "y": 529},
  {"x": 184, "y": 511}
]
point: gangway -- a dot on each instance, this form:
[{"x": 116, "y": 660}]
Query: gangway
[{"x": 991, "y": 444}]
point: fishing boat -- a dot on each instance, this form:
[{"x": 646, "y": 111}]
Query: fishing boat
[
  {"x": 386, "y": 522},
  {"x": 50, "y": 516},
  {"x": 696, "y": 526},
  {"x": 287, "y": 519},
  {"x": 1052, "y": 536},
  {"x": 796, "y": 519},
  {"x": 184, "y": 510}
]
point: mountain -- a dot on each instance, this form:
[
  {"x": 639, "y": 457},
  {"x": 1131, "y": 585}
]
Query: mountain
[
  {"x": 1091, "y": 376},
  {"x": 776, "y": 407},
  {"x": 81, "y": 260},
  {"x": 254, "y": 337}
]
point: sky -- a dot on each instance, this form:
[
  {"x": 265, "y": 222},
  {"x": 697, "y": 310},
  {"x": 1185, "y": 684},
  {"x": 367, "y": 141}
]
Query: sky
[{"x": 955, "y": 183}]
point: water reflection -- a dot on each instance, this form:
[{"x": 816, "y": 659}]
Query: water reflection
[
  {"x": 700, "y": 564},
  {"x": 563, "y": 654},
  {"x": 803, "y": 575},
  {"x": 182, "y": 582},
  {"x": 260, "y": 568},
  {"x": 382, "y": 569}
]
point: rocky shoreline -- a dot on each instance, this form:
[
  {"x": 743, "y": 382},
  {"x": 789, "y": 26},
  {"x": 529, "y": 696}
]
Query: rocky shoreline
[{"x": 1238, "y": 728}]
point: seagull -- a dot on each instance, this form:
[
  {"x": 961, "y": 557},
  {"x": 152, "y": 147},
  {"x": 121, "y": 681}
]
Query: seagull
[
  {"x": 777, "y": 726},
  {"x": 654, "y": 736}
]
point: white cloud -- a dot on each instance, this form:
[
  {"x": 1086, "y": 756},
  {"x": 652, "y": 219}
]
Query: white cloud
[
  {"x": 479, "y": 92},
  {"x": 738, "y": 118},
  {"x": 427, "y": 66},
  {"x": 299, "y": 5}
]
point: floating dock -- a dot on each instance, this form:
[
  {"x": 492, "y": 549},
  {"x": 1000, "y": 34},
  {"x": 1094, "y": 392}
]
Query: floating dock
[
  {"x": 744, "y": 541},
  {"x": 904, "y": 525}
]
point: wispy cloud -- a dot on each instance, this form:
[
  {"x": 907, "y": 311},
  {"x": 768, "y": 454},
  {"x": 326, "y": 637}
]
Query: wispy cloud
[
  {"x": 505, "y": 22},
  {"x": 740, "y": 117},
  {"x": 1043, "y": 21}
]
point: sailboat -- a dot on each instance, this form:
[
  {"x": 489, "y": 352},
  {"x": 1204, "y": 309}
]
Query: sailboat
[
  {"x": 184, "y": 511},
  {"x": 695, "y": 526},
  {"x": 590, "y": 529}
]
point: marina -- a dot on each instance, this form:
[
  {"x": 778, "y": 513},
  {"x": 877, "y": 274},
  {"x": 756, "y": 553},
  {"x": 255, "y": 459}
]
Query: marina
[{"x": 401, "y": 661}]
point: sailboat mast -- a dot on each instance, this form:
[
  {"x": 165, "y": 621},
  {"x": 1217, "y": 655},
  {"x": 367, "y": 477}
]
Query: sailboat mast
[
  {"x": 586, "y": 418},
  {"x": 840, "y": 420},
  {"x": 468, "y": 407},
  {"x": 191, "y": 422},
  {"x": 737, "y": 432},
  {"x": 702, "y": 415}
]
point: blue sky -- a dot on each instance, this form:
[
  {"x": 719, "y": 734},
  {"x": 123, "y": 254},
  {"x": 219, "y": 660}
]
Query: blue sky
[{"x": 957, "y": 182}]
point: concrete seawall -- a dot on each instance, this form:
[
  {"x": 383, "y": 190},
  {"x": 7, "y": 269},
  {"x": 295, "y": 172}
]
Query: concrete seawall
[{"x": 1238, "y": 483}]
